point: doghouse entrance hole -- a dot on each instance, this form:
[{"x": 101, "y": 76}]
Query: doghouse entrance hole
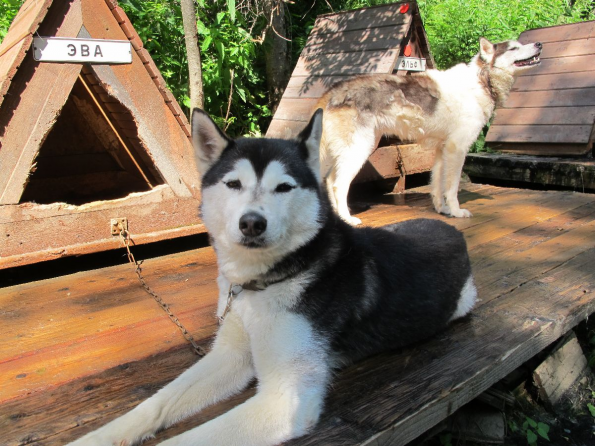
[{"x": 92, "y": 152}]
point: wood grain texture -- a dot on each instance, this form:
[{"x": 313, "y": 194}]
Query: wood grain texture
[
  {"x": 531, "y": 251},
  {"x": 560, "y": 81},
  {"x": 582, "y": 30},
  {"x": 542, "y": 149},
  {"x": 570, "y": 134},
  {"x": 17, "y": 41},
  {"x": 33, "y": 233},
  {"x": 364, "y": 18},
  {"x": 555, "y": 116}
]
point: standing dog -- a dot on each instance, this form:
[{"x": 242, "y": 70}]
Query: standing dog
[
  {"x": 441, "y": 110},
  {"x": 301, "y": 292}
]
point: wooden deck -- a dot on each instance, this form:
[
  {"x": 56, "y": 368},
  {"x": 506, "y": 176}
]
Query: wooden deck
[{"x": 78, "y": 350}]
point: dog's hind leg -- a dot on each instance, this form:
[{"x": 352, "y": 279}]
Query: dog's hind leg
[
  {"x": 437, "y": 186},
  {"x": 453, "y": 159},
  {"x": 224, "y": 371},
  {"x": 346, "y": 168}
]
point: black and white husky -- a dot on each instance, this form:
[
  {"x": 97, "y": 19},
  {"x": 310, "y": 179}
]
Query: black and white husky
[
  {"x": 441, "y": 110},
  {"x": 301, "y": 293}
]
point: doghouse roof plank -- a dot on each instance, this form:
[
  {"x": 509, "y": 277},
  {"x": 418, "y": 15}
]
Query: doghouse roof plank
[
  {"x": 344, "y": 44},
  {"x": 40, "y": 95},
  {"x": 18, "y": 40},
  {"x": 552, "y": 105}
]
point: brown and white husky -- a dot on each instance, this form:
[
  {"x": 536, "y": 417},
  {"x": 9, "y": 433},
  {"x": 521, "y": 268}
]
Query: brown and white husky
[{"x": 441, "y": 110}]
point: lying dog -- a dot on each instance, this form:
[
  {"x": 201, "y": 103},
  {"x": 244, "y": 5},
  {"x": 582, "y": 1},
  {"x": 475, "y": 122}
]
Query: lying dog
[
  {"x": 441, "y": 110},
  {"x": 301, "y": 293}
]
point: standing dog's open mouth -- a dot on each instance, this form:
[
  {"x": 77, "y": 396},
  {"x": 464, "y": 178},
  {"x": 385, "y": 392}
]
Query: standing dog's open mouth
[{"x": 535, "y": 60}]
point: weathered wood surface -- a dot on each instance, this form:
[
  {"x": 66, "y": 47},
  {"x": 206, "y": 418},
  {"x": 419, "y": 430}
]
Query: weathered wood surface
[
  {"x": 17, "y": 42},
  {"x": 396, "y": 161},
  {"x": 552, "y": 103},
  {"x": 578, "y": 174},
  {"x": 532, "y": 254},
  {"x": 34, "y": 233}
]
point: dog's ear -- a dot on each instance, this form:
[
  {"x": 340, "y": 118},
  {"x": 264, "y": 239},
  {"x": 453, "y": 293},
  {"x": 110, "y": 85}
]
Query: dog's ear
[
  {"x": 486, "y": 49},
  {"x": 208, "y": 140},
  {"x": 310, "y": 140}
]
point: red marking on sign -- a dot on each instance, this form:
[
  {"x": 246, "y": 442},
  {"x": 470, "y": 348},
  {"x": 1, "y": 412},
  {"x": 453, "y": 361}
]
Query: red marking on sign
[
  {"x": 404, "y": 8},
  {"x": 407, "y": 51}
]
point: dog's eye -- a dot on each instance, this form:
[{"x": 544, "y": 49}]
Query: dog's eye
[
  {"x": 514, "y": 49},
  {"x": 234, "y": 184},
  {"x": 284, "y": 187}
]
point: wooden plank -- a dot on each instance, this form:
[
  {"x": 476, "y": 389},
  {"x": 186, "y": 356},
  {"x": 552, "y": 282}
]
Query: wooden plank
[
  {"x": 284, "y": 129},
  {"x": 296, "y": 109},
  {"x": 361, "y": 62},
  {"x": 91, "y": 311},
  {"x": 17, "y": 41},
  {"x": 310, "y": 86},
  {"x": 570, "y": 173},
  {"x": 43, "y": 89},
  {"x": 559, "y": 81},
  {"x": 394, "y": 161},
  {"x": 504, "y": 249},
  {"x": 542, "y": 149},
  {"x": 545, "y": 116},
  {"x": 373, "y": 17},
  {"x": 574, "y": 31},
  {"x": 559, "y": 98},
  {"x": 381, "y": 38},
  {"x": 562, "y": 65},
  {"x": 577, "y": 134},
  {"x": 567, "y": 48},
  {"x": 152, "y": 216}
]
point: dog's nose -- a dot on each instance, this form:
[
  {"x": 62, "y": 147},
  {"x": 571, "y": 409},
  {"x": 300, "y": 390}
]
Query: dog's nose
[
  {"x": 252, "y": 224},
  {"x": 538, "y": 45}
]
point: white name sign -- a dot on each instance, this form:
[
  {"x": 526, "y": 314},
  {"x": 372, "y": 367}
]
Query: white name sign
[
  {"x": 58, "y": 49},
  {"x": 411, "y": 64}
]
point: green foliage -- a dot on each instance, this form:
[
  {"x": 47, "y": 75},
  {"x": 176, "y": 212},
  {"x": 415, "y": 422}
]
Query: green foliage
[
  {"x": 534, "y": 430},
  {"x": 228, "y": 56},
  {"x": 446, "y": 439},
  {"x": 8, "y": 9},
  {"x": 591, "y": 408}
]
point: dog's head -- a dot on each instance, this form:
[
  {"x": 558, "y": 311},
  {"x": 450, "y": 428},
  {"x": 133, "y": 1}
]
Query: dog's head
[
  {"x": 510, "y": 56},
  {"x": 260, "y": 197}
]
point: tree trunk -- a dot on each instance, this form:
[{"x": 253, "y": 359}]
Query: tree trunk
[
  {"x": 193, "y": 54},
  {"x": 276, "y": 52}
]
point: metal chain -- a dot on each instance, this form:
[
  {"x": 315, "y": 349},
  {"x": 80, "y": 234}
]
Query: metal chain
[{"x": 127, "y": 240}]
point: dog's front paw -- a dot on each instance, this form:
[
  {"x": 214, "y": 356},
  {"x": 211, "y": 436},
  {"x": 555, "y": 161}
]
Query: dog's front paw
[
  {"x": 105, "y": 437},
  {"x": 461, "y": 213}
]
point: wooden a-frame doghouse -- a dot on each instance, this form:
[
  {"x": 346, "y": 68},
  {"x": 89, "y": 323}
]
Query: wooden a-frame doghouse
[
  {"x": 551, "y": 109},
  {"x": 364, "y": 41},
  {"x": 82, "y": 144}
]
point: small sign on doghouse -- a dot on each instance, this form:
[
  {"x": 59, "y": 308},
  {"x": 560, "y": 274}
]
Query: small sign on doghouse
[
  {"x": 98, "y": 51},
  {"x": 411, "y": 64}
]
